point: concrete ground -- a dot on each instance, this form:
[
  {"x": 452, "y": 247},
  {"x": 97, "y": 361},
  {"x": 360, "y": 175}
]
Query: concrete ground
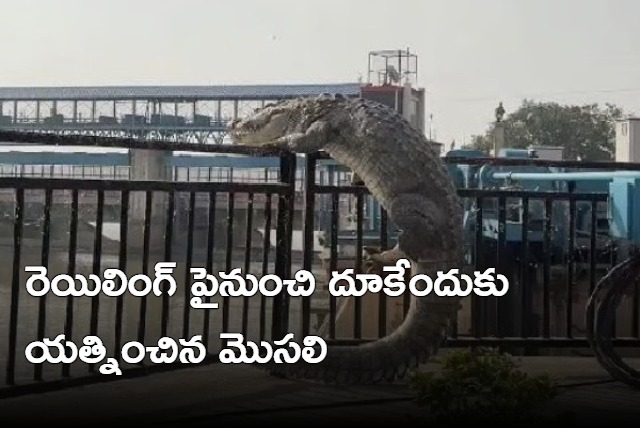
[{"x": 229, "y": 394}]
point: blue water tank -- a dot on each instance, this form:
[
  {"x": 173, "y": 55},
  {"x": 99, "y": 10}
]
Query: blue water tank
[{"x": 624, "y": 208}]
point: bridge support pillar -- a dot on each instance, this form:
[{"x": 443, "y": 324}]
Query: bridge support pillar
[
  {"x": 148, "y": 165},
  {"x": 152, "y": 165}
]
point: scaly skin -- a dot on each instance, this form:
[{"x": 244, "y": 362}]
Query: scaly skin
[{"x": 407, "y": 177}]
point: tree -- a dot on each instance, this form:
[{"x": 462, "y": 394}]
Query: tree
[
  {"x": 480, "y": 142},
  {"x": 586, "y": 132}
]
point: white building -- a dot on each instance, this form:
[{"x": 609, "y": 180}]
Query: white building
[{"x": 628, "y": 140}]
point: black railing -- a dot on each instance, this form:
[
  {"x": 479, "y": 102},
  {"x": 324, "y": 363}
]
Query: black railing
[
  {"x": 77, "y": 226},
  {"x": 551, "y": 275},
  {"x": 85, "y": 226}
]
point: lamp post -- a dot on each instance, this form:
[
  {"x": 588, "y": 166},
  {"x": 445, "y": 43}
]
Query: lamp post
[{"x": 498, "y": 130}]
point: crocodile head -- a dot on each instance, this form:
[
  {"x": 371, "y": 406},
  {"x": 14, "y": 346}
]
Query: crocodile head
[{"x": 280, "y": 119}]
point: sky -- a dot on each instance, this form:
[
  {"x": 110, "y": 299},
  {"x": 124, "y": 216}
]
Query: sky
[{"x": 471, "y": 53}]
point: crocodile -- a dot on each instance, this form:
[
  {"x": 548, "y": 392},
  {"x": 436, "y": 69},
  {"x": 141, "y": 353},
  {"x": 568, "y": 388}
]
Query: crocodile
[{"x": 403, "y": 171}]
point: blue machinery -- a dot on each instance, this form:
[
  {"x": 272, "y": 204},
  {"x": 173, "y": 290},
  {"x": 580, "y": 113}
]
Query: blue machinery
[
  {"x": 617, "y": 213},
  {"x": 615, "y": 195}
]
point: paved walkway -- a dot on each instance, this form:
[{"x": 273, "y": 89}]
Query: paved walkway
[{"x": 217, "y": 394}]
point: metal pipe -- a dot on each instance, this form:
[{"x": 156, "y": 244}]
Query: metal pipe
[{"x": 564, "y": 176}]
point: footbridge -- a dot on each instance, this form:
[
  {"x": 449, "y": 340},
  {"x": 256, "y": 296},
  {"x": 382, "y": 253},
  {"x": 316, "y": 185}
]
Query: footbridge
[{"x": 175, "y": 113}]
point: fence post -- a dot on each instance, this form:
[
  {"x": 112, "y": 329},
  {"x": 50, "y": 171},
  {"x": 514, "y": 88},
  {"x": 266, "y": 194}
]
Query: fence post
[
  {"x": 284, "y": 235},
  {"x": 308, "y": 228}
]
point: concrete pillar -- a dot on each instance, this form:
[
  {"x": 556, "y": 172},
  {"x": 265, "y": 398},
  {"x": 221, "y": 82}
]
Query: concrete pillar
[
  {"x": 151, "y": 165},
  {"x": 413, "y": 108},
  {"x": 148, "y": 165},
  {"x": 498, "y": 139}
]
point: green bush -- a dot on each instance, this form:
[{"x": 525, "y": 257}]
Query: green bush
[{"x": 481, "y": 384}]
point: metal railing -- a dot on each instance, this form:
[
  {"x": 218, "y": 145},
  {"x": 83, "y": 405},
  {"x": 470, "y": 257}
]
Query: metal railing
[
  {"x": 552, "y": 266},
  {"x": 85, "y": 226}
]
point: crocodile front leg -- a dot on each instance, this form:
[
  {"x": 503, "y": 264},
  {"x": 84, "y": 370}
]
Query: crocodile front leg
[
  {"x": 310, "y": 141},
  {"x": 375, "y": 259}
]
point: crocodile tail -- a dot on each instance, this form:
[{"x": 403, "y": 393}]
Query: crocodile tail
[{"x": 424, "y": 330}]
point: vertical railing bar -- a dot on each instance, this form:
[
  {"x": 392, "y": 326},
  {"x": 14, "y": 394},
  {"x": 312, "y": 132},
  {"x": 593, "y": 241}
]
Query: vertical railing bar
[
  {"x": 570, "y": 266},
  {"x": 248, "y": 242},
  {"x": 406, "y": 303},
  {"x": 290, "y": 206},
  {"x": 188, "y": 264},
  {"x": 122, "y": 265},
  {"x": 231, "y": 200},
  {"x": 333, "y": 263},
  {"x": 168, "y": 246},
  {"x": 146, "y": 244},
  {"x": 593, "y": 249},
  {"x": 477, "y": 303},
  {"x": 382, "y": 297},
  {"x": 357, "y": 312},
  {"x": 44, "y": 262},
  {"x": 498, "y": 315},
  {"x": 613, "y": 262},
  {"x": 546, "y": 317},
  {"x": 266, "y": 246},
  {"x": 73, "y": 244},
  {"x": 96, "y": 261},
  {"x": 524, "y": 270},
  {"x": 283, "y": 249},
  {"x": 15, "y": 286},
  {"x": 308, "y": 238},
  {"x": 635, "y": 318},
  {"x": 211, "y": 233}
]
